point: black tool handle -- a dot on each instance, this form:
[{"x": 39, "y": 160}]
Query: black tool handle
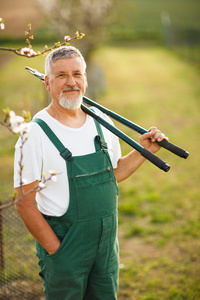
[
  {"x": 143, "y": 151},
  {"x": 155, "y": 160},
  {"x": 173, "y": 148},
  {"x": 164, "y": 143}
]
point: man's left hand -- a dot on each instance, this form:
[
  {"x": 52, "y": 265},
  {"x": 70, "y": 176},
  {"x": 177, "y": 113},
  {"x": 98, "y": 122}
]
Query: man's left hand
[{"x": 147, "y": 140}]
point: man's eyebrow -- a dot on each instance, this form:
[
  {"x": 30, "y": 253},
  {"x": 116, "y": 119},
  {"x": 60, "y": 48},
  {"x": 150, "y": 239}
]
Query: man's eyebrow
[
  {"x": 74, "y": 71},
  {"x": 60, "y": 72}
]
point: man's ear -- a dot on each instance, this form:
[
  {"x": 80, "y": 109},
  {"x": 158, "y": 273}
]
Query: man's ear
[{"x": 47, "y": 85}]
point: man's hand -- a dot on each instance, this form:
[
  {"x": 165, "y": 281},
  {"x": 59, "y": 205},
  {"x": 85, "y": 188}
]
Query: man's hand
[
  {"x": 128, "y": 164},
  {"x": 147, "y": 140}
]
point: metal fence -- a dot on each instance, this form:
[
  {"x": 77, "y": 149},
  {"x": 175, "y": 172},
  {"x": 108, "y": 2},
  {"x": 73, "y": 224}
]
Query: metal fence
[
  {"x": 19, "y": 270},
  {"x": 185, "y": 41}
]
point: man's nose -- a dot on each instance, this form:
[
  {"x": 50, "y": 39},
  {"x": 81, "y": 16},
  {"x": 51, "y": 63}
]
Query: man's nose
[{"x": 71, "y": 80}]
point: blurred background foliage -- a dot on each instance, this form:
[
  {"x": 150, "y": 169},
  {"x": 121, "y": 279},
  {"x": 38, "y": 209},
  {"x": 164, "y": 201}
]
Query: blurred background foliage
[
  {"x": 166, "y": 22},
  {"x": 143, "y": 62}
]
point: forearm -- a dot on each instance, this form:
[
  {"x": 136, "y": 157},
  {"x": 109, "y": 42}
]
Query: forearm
[
  {"x": 127, "y": 165},
  {"x": 36, "y": 224}
]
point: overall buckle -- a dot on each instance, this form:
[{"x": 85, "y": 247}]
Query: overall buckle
[
  {"x": 103, "y": 144},
  {"x": 67, "y": 155}
]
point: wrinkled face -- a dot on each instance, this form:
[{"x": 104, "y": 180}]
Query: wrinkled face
[{"x": 67, "y": 81}]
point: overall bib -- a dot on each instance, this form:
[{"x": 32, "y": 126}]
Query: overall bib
[{"x": 86, "y": 264}]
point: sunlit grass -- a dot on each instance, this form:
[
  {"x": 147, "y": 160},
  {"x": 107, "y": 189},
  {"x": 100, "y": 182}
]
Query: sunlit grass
[{"x": 158, "y": 211}]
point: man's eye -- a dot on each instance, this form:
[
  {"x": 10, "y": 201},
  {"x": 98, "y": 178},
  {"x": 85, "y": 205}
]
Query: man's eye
[{"x": 77, "y": 74}]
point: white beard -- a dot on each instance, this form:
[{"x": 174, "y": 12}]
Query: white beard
[{"x": 70, "y": 104}]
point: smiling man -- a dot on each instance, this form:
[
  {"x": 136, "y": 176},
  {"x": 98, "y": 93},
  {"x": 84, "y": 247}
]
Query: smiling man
[
  {"x": 67, "y": 82},
  {"x": 75, "y": 220}
]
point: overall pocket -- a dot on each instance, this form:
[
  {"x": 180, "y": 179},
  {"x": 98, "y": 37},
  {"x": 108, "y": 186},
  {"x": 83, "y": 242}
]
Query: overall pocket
[
  {"x": 63, "y": 238},
  {"x": 96, "y": 193},
  {"x": 68, "y": 259}
]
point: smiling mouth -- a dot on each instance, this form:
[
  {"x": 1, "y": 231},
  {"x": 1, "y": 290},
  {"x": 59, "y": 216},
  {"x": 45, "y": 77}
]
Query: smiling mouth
[
  {"x": 71, "y": 90},
  {"x": 67, "y": 92},
  {"x": 70, "y": 93}
]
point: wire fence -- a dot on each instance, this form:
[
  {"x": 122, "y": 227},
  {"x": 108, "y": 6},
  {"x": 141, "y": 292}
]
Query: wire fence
[
  {"x": 184, "y": 41},
  {"x": 19, "y": 270}
]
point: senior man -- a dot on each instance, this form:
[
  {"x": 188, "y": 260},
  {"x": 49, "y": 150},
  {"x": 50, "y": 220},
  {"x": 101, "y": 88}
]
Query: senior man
[{"x": 74, "y": 220}]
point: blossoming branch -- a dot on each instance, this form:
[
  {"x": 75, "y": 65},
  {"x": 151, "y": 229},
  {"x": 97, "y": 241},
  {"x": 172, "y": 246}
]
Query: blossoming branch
[{"x": 29, "y": 52}]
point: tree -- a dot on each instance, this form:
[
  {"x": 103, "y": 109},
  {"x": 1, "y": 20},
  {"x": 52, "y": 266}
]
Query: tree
[{"x": 72, "y": 15}]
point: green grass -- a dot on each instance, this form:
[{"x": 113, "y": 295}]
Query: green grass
[{"x": 159, "y": 223}]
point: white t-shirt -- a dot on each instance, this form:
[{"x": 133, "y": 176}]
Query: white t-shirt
[{"x": 40, "y": 155}]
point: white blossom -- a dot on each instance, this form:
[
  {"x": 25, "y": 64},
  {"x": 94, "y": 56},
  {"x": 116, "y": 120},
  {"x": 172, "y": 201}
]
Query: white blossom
[
  {"x": 28, "y": 51},
  {"x": 2, "y": 26},
  {"x": 17, "y": 123},
  {"x": 53, "y": 175},
  {"x": 12, "y": 114},
  {"x": 67, "y": 38},
  {"x": 18, "y": 128},
  {"x": 54, "y": 178},
  {"x": 24, "y": 181},
  {"x": 51, "y": 172},
  {"x": 25, "y": 50},
  {"x": 41, "y": 185},
  {"x": 32, "y": 52}
]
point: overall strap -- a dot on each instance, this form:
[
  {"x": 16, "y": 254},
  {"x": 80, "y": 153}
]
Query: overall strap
[
  {"x": 64, "y": 152},
  {"x": 100, "y": 137}
]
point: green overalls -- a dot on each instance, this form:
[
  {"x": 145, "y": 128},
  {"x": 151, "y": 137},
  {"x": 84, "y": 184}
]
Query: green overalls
[{"x": 86, "y": 264}]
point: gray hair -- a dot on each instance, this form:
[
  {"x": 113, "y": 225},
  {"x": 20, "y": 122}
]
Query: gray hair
[{"x": 62, "y": 52}]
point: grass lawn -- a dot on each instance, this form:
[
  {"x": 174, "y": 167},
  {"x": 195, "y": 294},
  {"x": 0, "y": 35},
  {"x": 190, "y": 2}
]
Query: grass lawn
[
  {"x": 159, "y": 223},
  {"x": 159, "y": 220}
]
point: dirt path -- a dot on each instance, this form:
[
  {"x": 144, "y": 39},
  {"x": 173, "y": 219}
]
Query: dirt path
[
  {"x": 4, "y": 59},
  {"x": 17, "y": 15}
]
